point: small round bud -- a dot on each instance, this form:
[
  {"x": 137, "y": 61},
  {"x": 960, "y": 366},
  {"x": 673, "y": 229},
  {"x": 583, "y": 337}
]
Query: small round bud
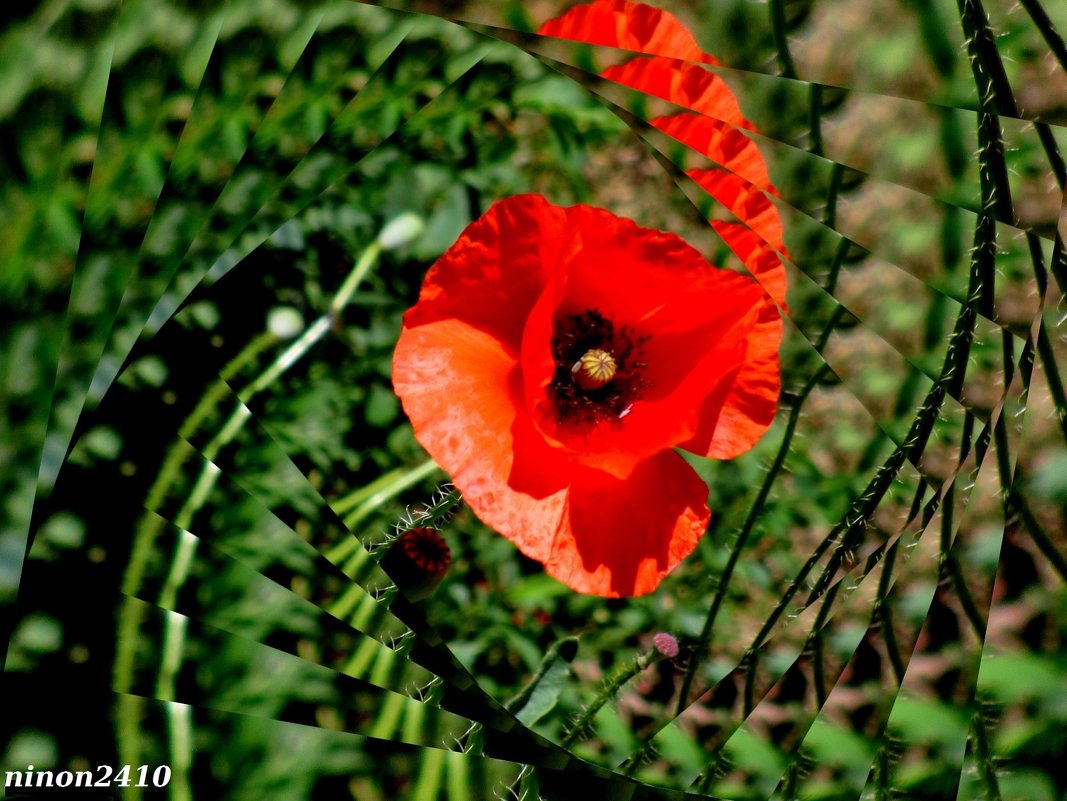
[
  {"x": 417, "y": 561},
  {"x": 285, "y": 322},
  {"x": 666, "y": 644},
  {"x": 401, "y": 230},
  {"x": 595, "y": 369}
]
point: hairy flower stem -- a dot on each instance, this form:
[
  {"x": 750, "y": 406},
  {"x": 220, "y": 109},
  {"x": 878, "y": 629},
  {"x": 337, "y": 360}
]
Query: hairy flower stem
[
  {"x": 950, "y": 382},
  {"x": 983, "y": 756},
  {"x": 848, "y": 532},
  {"x": 883, "y": 612},
  {"x": 436, "y": 512},
  {"x": 996, "y": 92},
  {"x": 579, "y": 728}
]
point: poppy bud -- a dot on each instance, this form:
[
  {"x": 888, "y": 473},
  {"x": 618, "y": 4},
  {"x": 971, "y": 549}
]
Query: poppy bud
[
  {"x": 401, "y": 230},
  {"x": 285, "y": 322},
  {"x": 666, "y": 644},
  {"x": 417, "y": 561}
]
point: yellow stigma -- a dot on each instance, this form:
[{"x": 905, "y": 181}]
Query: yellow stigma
[{"x": 594, "y": 369}]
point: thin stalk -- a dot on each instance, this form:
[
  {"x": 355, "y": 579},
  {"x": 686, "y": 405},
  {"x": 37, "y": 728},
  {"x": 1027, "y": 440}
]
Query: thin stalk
[
  {"x": 609, "y": 690},
  {"x": 884, "y": 613},
  {"x": 1052, "y": 376},
  {"x": 1048, "y": 30},
  {"x": 815, "y": 119},
  {"x": 983, "y": 756},
  {"x": 1052, "y": 151},
  {"x": 743, "y": 535},
  {"x": 816, "y": 642},
  {"x": 837, "y": 173},
  {"x": 778, "y": 26},
  {"x": 1038, "y": 534}
]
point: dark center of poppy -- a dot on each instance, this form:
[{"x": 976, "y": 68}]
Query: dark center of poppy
[
  {"x": 426, "y": 549},
  {"x": 598, "y": 368}
]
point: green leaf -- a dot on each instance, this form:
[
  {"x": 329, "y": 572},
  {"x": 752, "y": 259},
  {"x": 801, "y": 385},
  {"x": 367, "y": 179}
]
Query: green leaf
[
  {"x": 539, "y": 697},
  {"x": 1012, "y": 678},
  {"x": 922, "y": 721}
]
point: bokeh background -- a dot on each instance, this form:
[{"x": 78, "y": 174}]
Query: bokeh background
[{"x": 202, "y": 459}]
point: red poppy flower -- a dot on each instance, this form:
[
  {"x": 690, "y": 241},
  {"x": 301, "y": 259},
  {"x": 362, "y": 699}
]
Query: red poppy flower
[{"x": 554, "y": 359}]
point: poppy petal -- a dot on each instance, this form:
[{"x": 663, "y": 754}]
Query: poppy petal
[
  {"x": 763, "y": 261},
  {"x": 628, "y": 26},
  {"x": 687, "y": 85},
  {"x": 732, "y": 426},
  {"x": 620, "y": 537},
  {"x": 747, "y": 202},
  {"x": 720, "y": 142},
  {"x": 460, "y": 388},
  {"x": 494, "y": 273}
]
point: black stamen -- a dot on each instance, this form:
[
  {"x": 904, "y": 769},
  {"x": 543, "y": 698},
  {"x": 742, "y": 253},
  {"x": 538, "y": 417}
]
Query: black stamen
[{"x": 573, "y": 337}]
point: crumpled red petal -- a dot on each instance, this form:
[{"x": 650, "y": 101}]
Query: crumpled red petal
[
  {"x": 746, "y": 201},
  {"x": 621, "y": 537},
  {"x": 628, "y": 26}
]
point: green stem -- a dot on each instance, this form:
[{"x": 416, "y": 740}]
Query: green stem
[
  {"x": 815, "y": 119},
  {"x": 884, "y": 613},
  {"x": 815, "y": 640},
  {"x": 983, "y": 756},
  {"x": 129, "y": 707},
  {"x": 576, "y": 731},
  {"x": 1048, "y": 30},
  {"x": 357, "y": 497},
  {"x": 398, "y": 483},
  {"x": 778, "y": 26},
  {"x": 837, "y": 173}
]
